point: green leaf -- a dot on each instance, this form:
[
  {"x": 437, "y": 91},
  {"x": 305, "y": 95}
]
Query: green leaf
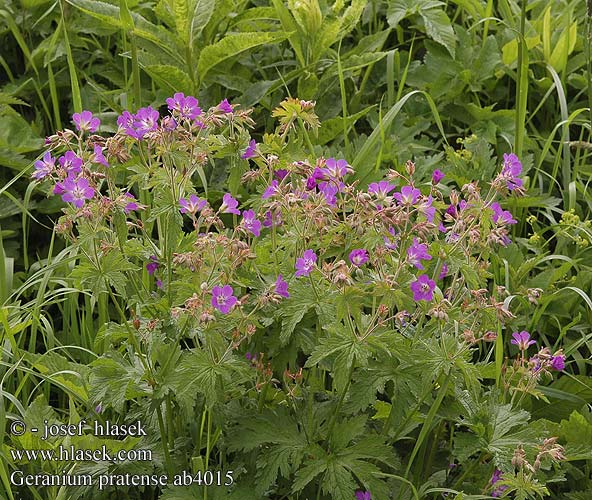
[
  {"x": 302, "y": 300},
  {"x": 230, "y": 46},
  {"x": 439, "y": 27},
  {"x": 577, "y": 432},
  {"x": 171, "y": 77},
  {"x": 16, "y": 134},
  {"x": 198, "y": 372},
  {"x": 565, "y": 46},
  {"x": 109, "y": 15},
  {"x": 107, "y": 271},
  {"x": 201, "y": 15},
  {"x": 510, "y": 49},
  {"x": 436, "y": 21},
  {"x": 114, "y": 380}
]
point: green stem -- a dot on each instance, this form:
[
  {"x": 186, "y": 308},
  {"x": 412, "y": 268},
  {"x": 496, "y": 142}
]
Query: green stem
[
  {"x": 341, "y": 398},
  {"x": 521, "y": 84},
  {"x": 589, "y": 57},
  {"x": 426, "y": 427},
  {"x": 165, "y": 445}
]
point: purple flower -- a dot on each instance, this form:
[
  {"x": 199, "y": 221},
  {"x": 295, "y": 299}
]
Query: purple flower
[
  {"x": 363, "y": 495},
  {"x": 408, "y": 195},
  {"x": 98, "y": 157},
  {"x": 497, "y": 476},
  {"x": 71, "y": 163},
  {"x": 131, "y": 204},
  {"x": 99, "y": 408},
  {"x": 184, "y": 107},
  {"x": 58, "y": 188},
  {"x": 426, "y": 208},
  {"x": 336, "y": 169},
  {"x": 223, "y": 298},
  {"x": 86, "y": 122},
  {"x": 381, "y": 189},
  {"x": 558, "y": 362},
  {"x": 251, "y": 223},
  {"x": 272, "y": 219},
  {"x": 311, "y": 183},
  {"x": 281, "y": 287},
  {"x": 358, "y": 257},
  {"x": 511, "y": 169},
  {"x": 250, "y": 151},
  {"x": 329, "y": 190},
  {"x": 126, "y": 122},
  {"x": 391, "y": 243},
  {"x": 44, "y": 167},
  {"x": 437, "y": 176},
  {"x": 280, "y": 174},
  {"x": 145, "y": 120},
  {"x": 271, "y": 190},
  {"x": 193, "y": 205},
  {"x": 76, "y": 191},
  {"x": 305, "y": 264},
  {"x": 152, "y": 265},
  {"x": 501, "y": 216},
  {"x": 418, "y": 252},
  {"x": 522, "y": 340},
  {"x": 158, "y": 283},
  {"x": 423, "y": 288},
  {"x": 443, "y": 271},
  {"x": 168, "y": 123},
  {"x": 225, "y": 106},
  {"x": 229, "y": 205},
  {"x": 319, "y": 174}
]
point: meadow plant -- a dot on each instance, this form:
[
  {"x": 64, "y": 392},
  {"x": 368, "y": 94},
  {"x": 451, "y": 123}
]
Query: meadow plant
[{"x": 319, "y": 337}]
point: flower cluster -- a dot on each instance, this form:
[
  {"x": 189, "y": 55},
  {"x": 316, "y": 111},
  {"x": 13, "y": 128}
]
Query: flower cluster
[{"x": 404, "y": 256}]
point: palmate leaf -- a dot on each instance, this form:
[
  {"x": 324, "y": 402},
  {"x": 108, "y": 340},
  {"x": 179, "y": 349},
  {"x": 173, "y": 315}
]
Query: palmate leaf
[
  {"x": 198, "y": 372},
  {"x": 344, "y": 349},
  {"x": 302, "y": 299},
  {"x": 230, "y": 46},
  {"x": 278, "y": 436},
  {"x": 98, "y": 278},
  {"x": 343, "y": 469},
  {"x": 577, "y": 432},
  {"x": 114, "y": 380}
]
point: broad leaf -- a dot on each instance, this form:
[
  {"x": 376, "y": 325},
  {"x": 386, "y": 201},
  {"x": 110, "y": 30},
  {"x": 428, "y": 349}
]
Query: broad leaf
[{"x": 230, "y": 46}]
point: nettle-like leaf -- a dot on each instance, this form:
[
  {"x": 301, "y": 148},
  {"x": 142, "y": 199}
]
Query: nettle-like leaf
[
  {"x": 436, "y": 22},
  {"x": 230, "y": 46},
  {"x": 110, "y": 15}
]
